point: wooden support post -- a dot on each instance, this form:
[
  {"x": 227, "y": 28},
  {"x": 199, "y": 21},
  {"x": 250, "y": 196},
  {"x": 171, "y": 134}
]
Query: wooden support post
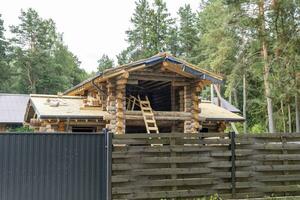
[
  {"x": 233, "y": 179},
  {"x": 285, "y": 162},
  {"x": 173, "y": 104},
  {"x": 188, "y": 108},
  {"x": 61, "y": 126},
  {"x": 111, "y": 104},
  {"x": 102, "y": 97},
  {"x": 181, "y": 100},
  {"x": 197, "y": 87},
  {"x": 108, "y": 145},
  {"x": 121, "y": 103},
  {"x": 173, "y": 165}
]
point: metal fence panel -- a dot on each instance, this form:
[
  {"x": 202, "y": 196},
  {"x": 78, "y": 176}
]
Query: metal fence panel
[{"x": 52, "y": 166}]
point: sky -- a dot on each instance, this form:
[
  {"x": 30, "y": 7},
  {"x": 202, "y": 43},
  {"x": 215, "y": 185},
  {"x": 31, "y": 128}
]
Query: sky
[{"x": 90, "y": 27}]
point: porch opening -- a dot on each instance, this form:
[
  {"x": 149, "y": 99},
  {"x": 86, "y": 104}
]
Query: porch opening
[{"x": 159, "y": 94}]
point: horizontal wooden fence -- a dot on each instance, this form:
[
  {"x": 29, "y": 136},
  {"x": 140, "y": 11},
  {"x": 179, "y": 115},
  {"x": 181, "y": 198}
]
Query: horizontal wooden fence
[{"x": 177, "y": 165}]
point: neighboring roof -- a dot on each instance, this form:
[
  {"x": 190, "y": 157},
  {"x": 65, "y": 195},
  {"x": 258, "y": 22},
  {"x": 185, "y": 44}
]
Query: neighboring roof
[
  {"x": 13, "y": 107},
  {"x": 69, "y": 107},
  {"x": 161, "y": 57},
  {"x": 225, "y": 104},
  {"x": 212, "y": 112}
]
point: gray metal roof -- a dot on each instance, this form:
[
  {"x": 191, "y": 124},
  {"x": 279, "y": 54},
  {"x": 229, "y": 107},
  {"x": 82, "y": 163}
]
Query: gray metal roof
[
  {"x": 13, "y": 107},
  {"x": 226, "y": 105}
]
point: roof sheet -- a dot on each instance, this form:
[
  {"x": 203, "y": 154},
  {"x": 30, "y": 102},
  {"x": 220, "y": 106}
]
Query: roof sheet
[
  {"x": 228, "y": 106},
  {"x": 213, "y": 112},
  {"x": 13, "y": 107},
  {"x": 69, "y": 107}
]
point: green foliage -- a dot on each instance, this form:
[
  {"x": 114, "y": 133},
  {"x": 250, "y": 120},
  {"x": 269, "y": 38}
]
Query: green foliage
[
  {"x": 187, "y": 33},
  {"x": 41, "y": 61},
  {"x": 152, "y": 30},
  {"x": 5, "y": 70},
  {"x": 22, "y": 129},
  {"x": 105, "y": 63}
]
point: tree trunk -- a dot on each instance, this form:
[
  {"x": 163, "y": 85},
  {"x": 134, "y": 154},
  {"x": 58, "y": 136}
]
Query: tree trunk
[
  {"x": 297, "y": 113},
  {"x": 297, "y": 104},
  {"x": 290, "y": 117},
  {"x": 230, "y": 97},
  {"x": 283, "y": 116},
  {"x": 244, "y": 103},
  {"x": 31, "y": 80},
  {"x": 235, "y": 98},
  {"x": 212, "y": 96},
  {"x": 266, "y": 66}
]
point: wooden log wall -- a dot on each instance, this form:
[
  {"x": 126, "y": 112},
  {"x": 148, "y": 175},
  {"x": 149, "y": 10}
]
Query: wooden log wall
[{"x": 184, "y": 166}]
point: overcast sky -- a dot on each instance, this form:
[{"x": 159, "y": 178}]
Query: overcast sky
[{"x": 90, "y": 27}]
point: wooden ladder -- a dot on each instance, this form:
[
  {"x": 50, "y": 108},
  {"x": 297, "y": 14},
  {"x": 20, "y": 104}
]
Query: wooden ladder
[{"x": 148, "y": 115}]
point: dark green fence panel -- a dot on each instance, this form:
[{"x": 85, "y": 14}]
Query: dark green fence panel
[{"x": 53, "y": 166}]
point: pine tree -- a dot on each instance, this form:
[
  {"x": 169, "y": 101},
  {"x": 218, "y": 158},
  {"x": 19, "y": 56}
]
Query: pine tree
[
  {"x": 161, "y": 23},
  {"x": 188, "y": 33},
  {"x": 4, "y": 67},
  {"x": 139, "y": 36},
  {"x": 151, "y": 31},
  {"x": 44, "y": 63},
  {"x": 105, "y": 63}
]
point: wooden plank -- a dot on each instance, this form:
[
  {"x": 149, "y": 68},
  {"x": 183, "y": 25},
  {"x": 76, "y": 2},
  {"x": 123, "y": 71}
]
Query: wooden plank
[
  {"x": 270, "y": 136},
  {"x": 177, "y": 159},
  {"x": 122, "y": 178},
  {"x": 173, "y": 194},
  {"x": 175, "y": 148},
  {"x": 277, "y": 178},
  {"x": 170, "y": 135},
  {"x": 176, "y": 182},
  {"x": 269, "y": 168},
  {"x": 276, "y": 157},
  {"x": 170, "y": 171},
  {"x": 203, "y": 141},
  {"x": 276, "y": 189},
  {"x": 144, "y": 142},
  {"x": 278, "y": 146}
]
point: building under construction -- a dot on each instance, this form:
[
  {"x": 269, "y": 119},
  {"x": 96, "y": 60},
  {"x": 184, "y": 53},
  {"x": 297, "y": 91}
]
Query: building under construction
[{"x": 157, "y": 94}]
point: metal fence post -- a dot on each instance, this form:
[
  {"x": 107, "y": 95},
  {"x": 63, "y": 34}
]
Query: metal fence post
[
  {"x": 108, "y": 147},
  {"x": 233, "y": 178}
]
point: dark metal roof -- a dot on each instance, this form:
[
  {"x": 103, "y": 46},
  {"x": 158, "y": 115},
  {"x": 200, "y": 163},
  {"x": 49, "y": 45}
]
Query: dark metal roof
[
  {"x": 161, "y": 57},
  {"x": 13, "y": 107}
]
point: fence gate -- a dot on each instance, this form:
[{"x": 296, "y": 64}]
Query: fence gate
[{"x": 53, "y": 166}]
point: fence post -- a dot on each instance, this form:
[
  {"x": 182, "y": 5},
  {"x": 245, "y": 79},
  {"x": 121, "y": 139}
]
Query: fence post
[
  {"x": 232, "y": 148},
  {"x": 108, "y": 147}
]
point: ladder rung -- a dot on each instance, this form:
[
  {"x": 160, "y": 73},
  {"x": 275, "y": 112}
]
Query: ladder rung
[
  {"x": 148, "y": 114},
  {"x": 152, "y": 128},
  {"x": 150, "y": 121}
]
